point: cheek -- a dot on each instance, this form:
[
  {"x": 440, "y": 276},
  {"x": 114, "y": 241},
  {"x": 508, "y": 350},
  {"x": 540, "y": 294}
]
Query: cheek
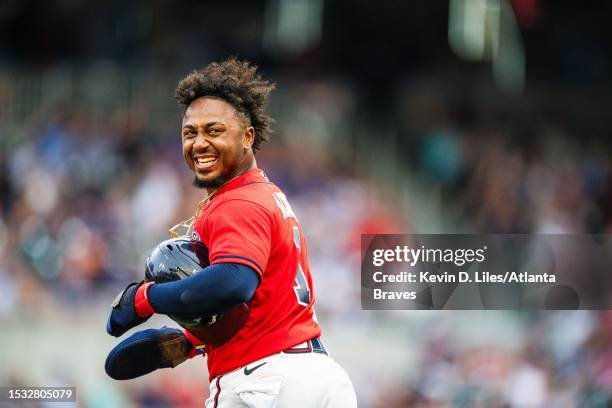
[
  {"x": 233, "y": 154},
  {"x": 187, "y": 154}
]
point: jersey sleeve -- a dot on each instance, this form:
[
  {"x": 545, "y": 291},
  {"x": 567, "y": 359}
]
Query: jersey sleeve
[{"x": 240, "y": 232}]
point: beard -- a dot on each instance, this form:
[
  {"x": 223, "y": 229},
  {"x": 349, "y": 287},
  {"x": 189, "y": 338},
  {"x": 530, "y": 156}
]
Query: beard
[{"x": 214, "y": 183}]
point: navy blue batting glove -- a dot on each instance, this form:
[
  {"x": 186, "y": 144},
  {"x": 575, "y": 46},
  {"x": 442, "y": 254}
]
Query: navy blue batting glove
[
  {"x": 146, "y": 351},
  {"x": 129, "y": 309}
]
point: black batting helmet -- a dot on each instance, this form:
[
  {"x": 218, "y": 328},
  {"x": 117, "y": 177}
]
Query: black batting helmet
[{"x": 176, "y": 258}]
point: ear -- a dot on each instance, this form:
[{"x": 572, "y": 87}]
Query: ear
[{"x": 248, "y": 138}]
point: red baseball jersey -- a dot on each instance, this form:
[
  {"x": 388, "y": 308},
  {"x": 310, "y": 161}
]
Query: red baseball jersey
[{"x": 250, "y": 221}]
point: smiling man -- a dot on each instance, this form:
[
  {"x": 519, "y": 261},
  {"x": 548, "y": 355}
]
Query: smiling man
[{"x": 258, "y": 256}]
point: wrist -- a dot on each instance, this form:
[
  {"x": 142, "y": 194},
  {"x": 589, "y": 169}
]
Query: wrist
[
  {"x": 141, "y": 301},
  {"x": 198, "y": 346}
]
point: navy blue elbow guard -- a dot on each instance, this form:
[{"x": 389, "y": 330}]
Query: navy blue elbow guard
[{"x": 146, "y": 351}]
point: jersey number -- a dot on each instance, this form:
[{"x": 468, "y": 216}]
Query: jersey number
[
  {"x": 301, "y": 285},
  {"x": 301, "y": 288}
]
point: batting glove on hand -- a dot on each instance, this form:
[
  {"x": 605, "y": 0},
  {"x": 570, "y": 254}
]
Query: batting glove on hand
[
  {"x": 129, "y": 309},
  {"x": 146, "y": 351}
]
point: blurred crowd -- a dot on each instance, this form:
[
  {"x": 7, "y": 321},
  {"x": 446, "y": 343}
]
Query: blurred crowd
[
  {"x": 84, "y": 199},
  {"x": 560, "y": 359},
  {"x": 541, "y": 164},
  {"x": 380, "y": 128}
]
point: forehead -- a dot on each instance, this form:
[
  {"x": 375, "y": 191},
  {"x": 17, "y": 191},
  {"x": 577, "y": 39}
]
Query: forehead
[{"x": 207, "y": 109}]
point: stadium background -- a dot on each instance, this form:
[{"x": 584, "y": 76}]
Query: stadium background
[{"x": 464, "y": 116}]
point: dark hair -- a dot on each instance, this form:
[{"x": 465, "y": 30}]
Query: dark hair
[{"x": 236, "y": 82}]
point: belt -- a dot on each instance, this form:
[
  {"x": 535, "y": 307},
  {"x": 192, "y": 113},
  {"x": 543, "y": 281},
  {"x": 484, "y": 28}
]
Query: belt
[{"x": 310, "y": 346}]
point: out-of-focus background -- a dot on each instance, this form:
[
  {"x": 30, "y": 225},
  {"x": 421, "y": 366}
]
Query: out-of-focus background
[{"x": 460, "y": 116}]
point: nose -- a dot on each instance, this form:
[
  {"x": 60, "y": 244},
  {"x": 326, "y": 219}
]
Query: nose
[{"x": 200, "y": 143}]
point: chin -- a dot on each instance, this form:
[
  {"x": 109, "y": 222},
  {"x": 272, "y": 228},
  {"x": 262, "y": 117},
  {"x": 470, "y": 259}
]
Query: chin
[{"x": 208, "y": 182}]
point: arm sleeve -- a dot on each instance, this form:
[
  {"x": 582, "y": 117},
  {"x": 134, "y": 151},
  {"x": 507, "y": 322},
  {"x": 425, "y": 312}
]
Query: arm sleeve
[
  {"x": 240, "y": 232},
  {"x": 213, "y": 290}
]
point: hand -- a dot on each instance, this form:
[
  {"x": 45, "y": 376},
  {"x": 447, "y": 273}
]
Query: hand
[
  {"x": 146, "y": 351},
  {"x": 130, "y": 308}
]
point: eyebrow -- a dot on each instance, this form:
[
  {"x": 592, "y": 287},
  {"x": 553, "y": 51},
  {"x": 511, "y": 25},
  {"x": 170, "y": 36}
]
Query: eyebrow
[{"x": 206, "y": 126}]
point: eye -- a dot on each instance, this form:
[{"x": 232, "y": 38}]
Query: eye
[
  {"x": 189, "y": 133},
  {"x": 215, "y": 131}
]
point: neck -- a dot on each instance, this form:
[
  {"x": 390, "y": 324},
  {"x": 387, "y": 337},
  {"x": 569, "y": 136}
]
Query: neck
[{"x": 252, "y": 165}]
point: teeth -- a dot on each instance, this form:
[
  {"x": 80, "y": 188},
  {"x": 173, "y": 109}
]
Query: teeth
[{"x": 203, "y": 160}]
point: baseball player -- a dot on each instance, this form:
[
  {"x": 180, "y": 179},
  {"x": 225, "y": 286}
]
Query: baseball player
[{"x": 258, "y": 256}]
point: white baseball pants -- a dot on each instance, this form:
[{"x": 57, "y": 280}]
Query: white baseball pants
[{"x": 284, "y": 380}]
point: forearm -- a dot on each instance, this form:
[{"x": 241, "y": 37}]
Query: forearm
[{"x": 213, "y": 290}]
